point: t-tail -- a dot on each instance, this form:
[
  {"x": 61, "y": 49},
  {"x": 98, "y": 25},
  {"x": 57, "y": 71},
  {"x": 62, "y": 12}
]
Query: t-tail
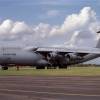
[
  {"x": 91, "y": 56},
  {"x": 98, "y": 44}
]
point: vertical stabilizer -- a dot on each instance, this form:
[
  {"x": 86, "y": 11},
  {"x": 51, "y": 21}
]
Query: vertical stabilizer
[{"x": 98, "y": 44}]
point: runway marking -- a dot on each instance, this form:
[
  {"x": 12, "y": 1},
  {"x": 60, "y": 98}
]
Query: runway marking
[{"x": 51, "y": 93}]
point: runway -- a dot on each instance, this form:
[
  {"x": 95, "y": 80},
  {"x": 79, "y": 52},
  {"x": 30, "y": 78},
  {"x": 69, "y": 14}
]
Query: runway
[{"x": 49, "y": 88}]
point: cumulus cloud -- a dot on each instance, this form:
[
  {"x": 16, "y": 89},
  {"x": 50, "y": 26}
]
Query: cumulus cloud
[
  {"x": 11, "y": 30},
  {"x": 77, "y": 29},
  {"x": 76, "y": 21}
]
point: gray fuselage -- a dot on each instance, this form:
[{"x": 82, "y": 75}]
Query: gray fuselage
[
  {"x": 18, "y": 56},
  {"x": 24, "y": 57}
]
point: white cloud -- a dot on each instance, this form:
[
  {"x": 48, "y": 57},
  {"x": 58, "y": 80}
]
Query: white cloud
[
  {"x": 76, "y": 21},
  {"x": 6, "y": 27},
  {"x": 76, "y": 30},
  {"x": 20, "y": 27}
]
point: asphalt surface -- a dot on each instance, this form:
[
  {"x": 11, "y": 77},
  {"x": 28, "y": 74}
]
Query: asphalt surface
[{"x": 49, "y": 88}]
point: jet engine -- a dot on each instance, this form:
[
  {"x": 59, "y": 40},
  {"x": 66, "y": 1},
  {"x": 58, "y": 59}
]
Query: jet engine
[
  {"x": 73, "y": 56},
  {"x": 54, "y": 56}
]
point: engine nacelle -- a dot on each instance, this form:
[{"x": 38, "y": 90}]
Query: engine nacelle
[
  {"x": 73, "y": 56},
  {"x": 54, "y": 55}
]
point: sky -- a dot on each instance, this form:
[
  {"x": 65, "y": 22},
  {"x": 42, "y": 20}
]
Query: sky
[
  {"x": 46, "y": 11},
  {"x": 60, "y": 23}
]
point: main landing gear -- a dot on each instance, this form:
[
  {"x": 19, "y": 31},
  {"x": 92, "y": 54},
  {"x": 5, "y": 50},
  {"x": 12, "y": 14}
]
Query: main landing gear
[{"x": 4, "y": 68}]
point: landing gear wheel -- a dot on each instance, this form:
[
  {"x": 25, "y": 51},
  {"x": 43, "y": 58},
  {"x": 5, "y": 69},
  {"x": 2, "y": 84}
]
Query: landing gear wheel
[{"x": 4, "y": 68}]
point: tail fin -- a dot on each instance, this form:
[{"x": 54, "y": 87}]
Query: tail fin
[{"x": 98, "y": 44}]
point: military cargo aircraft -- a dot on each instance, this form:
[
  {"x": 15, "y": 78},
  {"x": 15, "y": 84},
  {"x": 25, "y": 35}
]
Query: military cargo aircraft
[{"x": 46, "y": 56}]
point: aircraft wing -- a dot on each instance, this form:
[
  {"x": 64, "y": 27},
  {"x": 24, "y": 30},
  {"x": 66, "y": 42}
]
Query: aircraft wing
[{"x": 69, "y": 50}]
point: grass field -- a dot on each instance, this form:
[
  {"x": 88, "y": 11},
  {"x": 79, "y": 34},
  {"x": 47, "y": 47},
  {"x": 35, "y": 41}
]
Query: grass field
[{"x": 71, "y": 71}]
